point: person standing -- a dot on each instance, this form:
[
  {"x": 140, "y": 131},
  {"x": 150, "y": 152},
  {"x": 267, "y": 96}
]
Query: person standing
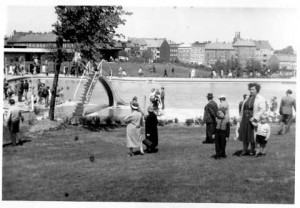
[
  {"x": 46, "y": 68},
  {"x": 286, "y": 111},
  {"x": 251, "y": 111},
  {"x": 222, "y": 121},
  {"x": 209, "y": 118},
  {"x": 162, "y": 98},
  {"x": 151, "y": 132},
  {"x": 5, "y": 88},
  {"x": 20, "y": 90},
  {"x": 141, "y": 72},
  {"x": 193, "y": 72},
  {"x": 262, "y": 135},
  {"x": 134, "y": 122},
  {"x": 14, "y": 116},
  {"x": 26, "y": 88},
  {"x": 165, "y": 73}
]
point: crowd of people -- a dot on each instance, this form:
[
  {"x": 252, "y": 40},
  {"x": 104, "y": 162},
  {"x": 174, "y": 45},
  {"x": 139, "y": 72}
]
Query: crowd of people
[
  {"x": 26, "y": 92},
  {"x": 252, "y": 130}
]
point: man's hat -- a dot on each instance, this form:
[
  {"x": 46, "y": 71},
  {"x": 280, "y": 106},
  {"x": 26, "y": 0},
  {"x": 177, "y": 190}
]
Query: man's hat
[
  {"x": 222, "y": 96},
  {"x": 134, "y": 105},
  {"x": 210, "y": 95},
  {"x": 289, "y": 91}
]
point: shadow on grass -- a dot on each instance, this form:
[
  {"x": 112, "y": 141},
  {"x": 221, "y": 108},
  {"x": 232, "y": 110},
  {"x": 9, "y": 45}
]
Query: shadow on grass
[
  {"x": 18, "y": 144},
  {"x": 101, "y": 127}
]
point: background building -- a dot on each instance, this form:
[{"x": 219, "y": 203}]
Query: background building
[
  {"x": 184, "y": 52},
  {"x": 245, "y": 50},
  {"x": 263, "y": 52},
  {"x": 197, "y": 55},
  {"x": 218, "y": 51}
]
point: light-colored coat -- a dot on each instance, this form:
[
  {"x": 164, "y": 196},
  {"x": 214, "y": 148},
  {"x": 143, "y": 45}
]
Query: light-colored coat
[
  {"x": 133, "y": 131},
  {"x": 258, "y": 109}
]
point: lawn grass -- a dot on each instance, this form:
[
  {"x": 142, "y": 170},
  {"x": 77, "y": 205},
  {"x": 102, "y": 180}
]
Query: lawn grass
[
  {"x": 133, "y": 68},
  {"x": 54, "y": 166}
]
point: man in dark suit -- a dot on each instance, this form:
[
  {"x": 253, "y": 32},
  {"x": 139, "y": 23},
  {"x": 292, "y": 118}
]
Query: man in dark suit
[
  {"x": 210, "y": 112},
  {"x": 286, "y": 111}
]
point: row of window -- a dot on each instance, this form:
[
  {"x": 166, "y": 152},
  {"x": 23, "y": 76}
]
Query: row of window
[{"x": 43, "y": 45}]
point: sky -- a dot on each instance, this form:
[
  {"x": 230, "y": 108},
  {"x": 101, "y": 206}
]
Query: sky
[{"x": 179, "y": 23}]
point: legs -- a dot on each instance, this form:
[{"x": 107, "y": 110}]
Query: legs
[{"x": 209, "y": 133}]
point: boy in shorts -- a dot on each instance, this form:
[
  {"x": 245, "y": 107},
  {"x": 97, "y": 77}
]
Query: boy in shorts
[{"x": 263, "y": 132}]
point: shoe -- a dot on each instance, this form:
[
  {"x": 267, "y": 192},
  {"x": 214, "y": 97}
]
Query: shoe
[
  {"x": 130, "y": 154},
  {"x": 244, "y": 153},
  {"x": 216, "y": 157},
  {"x": 263, "y": 154},
  {"x": 223, "y": 156},
  {"x": 208, "y": 142}
]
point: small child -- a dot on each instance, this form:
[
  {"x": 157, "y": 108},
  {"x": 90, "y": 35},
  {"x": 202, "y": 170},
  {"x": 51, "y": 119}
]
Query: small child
[
  {"x": 221, "y": 134},
  {"x": 263, "y": 132}
]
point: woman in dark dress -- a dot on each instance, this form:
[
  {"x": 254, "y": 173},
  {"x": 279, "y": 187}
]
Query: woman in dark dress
[
  {"x": 252, "y": 109},
  {"x": 151, "y": 133}
]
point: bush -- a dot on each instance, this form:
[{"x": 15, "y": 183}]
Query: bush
[
  {"x": 176, "y": 120},
  {"x": 189, "y": 121}
]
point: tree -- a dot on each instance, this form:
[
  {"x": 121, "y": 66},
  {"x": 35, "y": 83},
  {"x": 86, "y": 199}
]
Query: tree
[
  {"x": 147, "y": 54},
  {"x": 288, "y": 50},
  {"x": 123, "y": 53},
  {"x": 253, "y": 66},
  {"x": 89, "y": 28}
]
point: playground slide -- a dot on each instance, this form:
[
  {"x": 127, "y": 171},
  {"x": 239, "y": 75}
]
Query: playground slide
[{"x": 114, "y": 98}]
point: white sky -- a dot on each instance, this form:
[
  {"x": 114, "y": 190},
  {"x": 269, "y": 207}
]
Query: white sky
[{"x": 182, "y": 23}]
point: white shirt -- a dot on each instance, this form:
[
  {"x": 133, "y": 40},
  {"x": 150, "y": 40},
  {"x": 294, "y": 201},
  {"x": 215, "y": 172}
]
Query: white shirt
[{"x": 263, "y": 130}]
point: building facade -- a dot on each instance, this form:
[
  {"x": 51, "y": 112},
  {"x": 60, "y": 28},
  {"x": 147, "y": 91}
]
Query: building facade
[
  {"x": 197, "y": 55},
  {"x": 184, "y": 52},
  {"x": 264, "y": 51},
  {"x": 245, "y": 50},
  {"x": 284, "y": 61},
  {"x": 173, "y": 51},
  {"x": 218, "y": 51}
]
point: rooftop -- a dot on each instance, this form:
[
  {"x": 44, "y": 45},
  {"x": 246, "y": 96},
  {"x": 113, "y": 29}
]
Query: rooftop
[
  {"x": 263, "y": 44},
  {"x": 247, "y": 43},
  {"x": 219, "y": 46}
]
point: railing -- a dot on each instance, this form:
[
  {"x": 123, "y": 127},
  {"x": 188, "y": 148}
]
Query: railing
[
  {"x": 79, "y": 84},
  {"x": 91, "y": 85}
]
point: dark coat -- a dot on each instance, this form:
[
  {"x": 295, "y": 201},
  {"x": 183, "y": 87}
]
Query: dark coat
[
  {"x": 151, "y": 129},
  {"x": 210, "y": 112}
]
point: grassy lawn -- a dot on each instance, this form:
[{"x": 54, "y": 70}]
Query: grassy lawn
[
  {"x": 55, "y": 166},
  {"x": 132, "y": 69}
]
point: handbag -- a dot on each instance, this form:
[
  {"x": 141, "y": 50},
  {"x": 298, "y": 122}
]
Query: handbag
[{"x": 147, "y": 142}]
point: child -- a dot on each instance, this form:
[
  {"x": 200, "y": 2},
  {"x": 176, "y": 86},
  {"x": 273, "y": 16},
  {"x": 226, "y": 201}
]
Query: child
[
  {"x": 222, "y": 119},
  {"x": 263, "y": 132}
]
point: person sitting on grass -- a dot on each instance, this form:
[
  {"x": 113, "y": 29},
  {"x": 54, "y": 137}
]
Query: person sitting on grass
[
  {"x": 221, "y": 134},
  {"x": 263, "y": 132}
]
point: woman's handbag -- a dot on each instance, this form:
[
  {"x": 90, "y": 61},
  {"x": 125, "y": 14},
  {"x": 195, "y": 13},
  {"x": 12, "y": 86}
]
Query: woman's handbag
[{"x": 147, "y": 142}]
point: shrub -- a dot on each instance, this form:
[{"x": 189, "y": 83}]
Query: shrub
[
  {"x": 176, "y": 120},
  {"x": 189, "y": 121}
]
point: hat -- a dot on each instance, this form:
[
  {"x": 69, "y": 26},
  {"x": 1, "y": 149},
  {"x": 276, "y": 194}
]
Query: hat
[
  {"x": 134, "y": 105},
  {"x": 134, "y": 98},
  {"x": 150, "y": 109},
  {"x": 222, "y": 96},
  {"x": 11, "y": 101},
  {"x": 289, "y": 91},
  {"x": 209, "y": 95}
]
